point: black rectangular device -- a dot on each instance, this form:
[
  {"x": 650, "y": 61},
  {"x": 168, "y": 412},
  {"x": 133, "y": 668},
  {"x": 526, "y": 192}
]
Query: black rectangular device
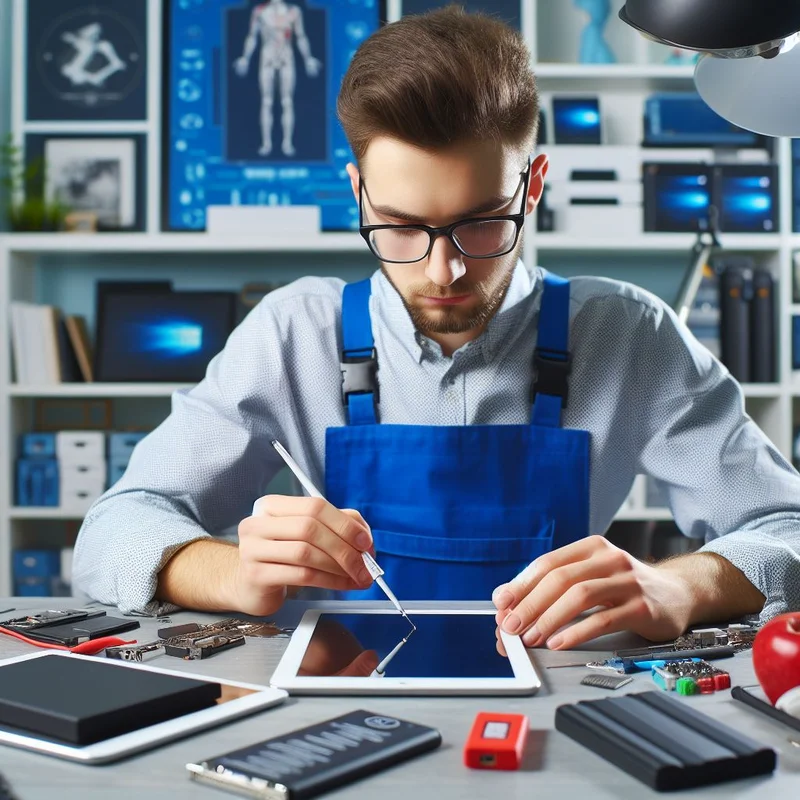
[
  {"x": 663, "y": 742},
  {"x": 306, "y": 762},
  {"x": 81, "y": 700},
  {"x": 76, "y": 628}
]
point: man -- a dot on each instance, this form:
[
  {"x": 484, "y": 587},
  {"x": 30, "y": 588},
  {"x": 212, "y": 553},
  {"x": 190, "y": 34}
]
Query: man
[
  {"x": 454, "y": 407},
  {"x": 276, "y": 21}
]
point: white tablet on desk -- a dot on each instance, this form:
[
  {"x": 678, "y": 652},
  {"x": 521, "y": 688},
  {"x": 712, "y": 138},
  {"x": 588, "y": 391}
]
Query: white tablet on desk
[
  {"x": 375, "y": 651},
  {"x": 68, "y": 700}
]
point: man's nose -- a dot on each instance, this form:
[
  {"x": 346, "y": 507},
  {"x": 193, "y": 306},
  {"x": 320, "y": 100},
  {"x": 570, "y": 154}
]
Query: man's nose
[{"x": 445, "y": 263}]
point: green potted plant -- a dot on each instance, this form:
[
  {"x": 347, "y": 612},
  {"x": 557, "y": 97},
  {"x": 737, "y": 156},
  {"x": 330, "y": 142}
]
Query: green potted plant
[{"x": 23, "y": 184}]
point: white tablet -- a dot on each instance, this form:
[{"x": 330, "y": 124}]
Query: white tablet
[
  {"x": 375, "y": 651},
  {"x": 236, "y": 700}
]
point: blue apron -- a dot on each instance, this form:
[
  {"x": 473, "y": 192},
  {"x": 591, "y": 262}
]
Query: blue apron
[{"x": 455, "y": 511}]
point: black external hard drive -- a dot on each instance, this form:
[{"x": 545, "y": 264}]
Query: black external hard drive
[{"x": 307, "y": 762}]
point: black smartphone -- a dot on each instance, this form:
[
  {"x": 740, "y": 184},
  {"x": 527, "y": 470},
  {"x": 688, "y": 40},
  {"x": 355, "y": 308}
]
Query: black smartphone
[{"x": 73, "y": 633}]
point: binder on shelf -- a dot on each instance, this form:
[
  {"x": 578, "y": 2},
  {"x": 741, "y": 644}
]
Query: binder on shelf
[
  {"x": 735, "y": 288},
  {"x": 762, "y": 322}
]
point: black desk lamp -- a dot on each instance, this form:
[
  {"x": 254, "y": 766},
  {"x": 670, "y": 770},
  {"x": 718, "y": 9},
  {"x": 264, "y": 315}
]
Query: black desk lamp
[{"x": 750, "y": 67}]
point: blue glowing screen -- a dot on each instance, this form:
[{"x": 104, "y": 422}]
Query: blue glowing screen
[
  {"x": 251, "y": 94},
  {"x": 162, "y": 337},
  {"x": 443, "y": 646},
  {"x": 748, "y": 202},
  {"x": 682, "y": 201},
  {"x": 576, "y": 120}
]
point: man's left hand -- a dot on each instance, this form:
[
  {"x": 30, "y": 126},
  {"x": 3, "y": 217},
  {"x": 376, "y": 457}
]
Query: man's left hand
[{"x": 655, "y": 602}]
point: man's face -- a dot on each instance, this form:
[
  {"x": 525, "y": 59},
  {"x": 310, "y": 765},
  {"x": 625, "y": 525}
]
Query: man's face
[{"x": 447, "y": 293}]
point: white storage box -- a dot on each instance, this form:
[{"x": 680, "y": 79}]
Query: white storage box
[
  {"x": 561, "y": 193},
  {"x": 80, "y": 448},
  {"x": 599, "y": 221},
  {"x": 79, "y": 487}
]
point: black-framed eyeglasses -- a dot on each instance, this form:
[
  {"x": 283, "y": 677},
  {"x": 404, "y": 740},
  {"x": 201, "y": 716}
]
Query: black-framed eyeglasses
[{"x": 475, "y": 237}]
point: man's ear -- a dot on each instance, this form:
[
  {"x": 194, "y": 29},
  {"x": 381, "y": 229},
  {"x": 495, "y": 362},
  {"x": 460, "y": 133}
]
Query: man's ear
[
  {"x": 355, "y": 179},
  {"x": 536, "y": 186}
]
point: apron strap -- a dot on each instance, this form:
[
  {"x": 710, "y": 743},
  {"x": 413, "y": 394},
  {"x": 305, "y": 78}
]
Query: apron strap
[
  {"x": 359, "y": 362},
  {"x": 551, "y": 357}
]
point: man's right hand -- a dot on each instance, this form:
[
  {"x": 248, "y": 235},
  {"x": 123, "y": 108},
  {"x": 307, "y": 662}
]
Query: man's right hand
[{"x": 298, "y": 541}]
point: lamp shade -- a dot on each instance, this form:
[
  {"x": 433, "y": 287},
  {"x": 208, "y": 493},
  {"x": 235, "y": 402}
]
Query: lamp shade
[
  {"x": 758, "y": 94},
  {"x": 715, "y": 25}
]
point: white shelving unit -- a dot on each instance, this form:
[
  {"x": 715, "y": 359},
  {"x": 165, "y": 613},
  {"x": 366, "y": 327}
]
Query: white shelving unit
[{"x": 545, "y": 23}]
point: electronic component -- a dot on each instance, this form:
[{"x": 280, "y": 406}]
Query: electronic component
[
  {"x": 194, "y": 646},
  {"x": 606, "y": 681},
  {"x": 690, "y": 677},
  {"x": 43, "y": 619},
  {"x": 307, "y": 762},
  {"x": 496, "y": 741},
  {"x": 677, "y": 197},
  {"x": 136, "y": 652}
]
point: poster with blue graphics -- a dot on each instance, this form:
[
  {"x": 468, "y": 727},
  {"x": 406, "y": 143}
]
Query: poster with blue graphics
[
  {"x": 508, "y": 11},
  {"x": 85, "y": 61},
  {"x": 250, "y": 111}
]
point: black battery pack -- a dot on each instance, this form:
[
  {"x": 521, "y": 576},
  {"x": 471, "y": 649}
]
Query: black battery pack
[
  {"x": 309, "y": 761},
  {"x": 663, "y": 742}
]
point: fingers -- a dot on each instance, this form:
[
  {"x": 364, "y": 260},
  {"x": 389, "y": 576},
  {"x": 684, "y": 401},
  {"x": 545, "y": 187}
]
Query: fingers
[
  {"x": 293, "y": 554},
  {"x": 501, "y": 648},
  {"x": 509, "y": 594},
  {"x": 308, "y": 531},
  {"x": 269, "y": 576},
  {"x": 580, "y": 598},
  {"x": 601, "y": 623},
  {"x": 570, "y": 580}
]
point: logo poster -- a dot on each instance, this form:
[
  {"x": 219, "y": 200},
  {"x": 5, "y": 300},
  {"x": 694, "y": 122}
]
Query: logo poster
[{"x": 86, "y": 61}]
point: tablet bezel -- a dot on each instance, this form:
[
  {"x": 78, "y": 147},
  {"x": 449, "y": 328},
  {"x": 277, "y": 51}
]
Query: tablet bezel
[
  {"x": 526, "y": 680},
  {"x": 152, "y": 735}
]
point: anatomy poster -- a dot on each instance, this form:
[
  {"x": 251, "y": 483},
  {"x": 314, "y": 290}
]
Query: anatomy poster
[
  {"x": 275, "y": 80},
  {"x": 250, "y": 89},
  {"x": 86, "y": 61}
]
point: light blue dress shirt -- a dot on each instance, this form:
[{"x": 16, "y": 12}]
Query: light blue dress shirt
[{"x": 655, "y": 401}]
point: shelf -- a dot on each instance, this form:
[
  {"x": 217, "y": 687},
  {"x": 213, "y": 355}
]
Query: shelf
[
  {"x": 768, "y": 390},
  {"x": 35, "y": 243},
  {"x": 98, "y": 390},
  {"x": 663, "y": 242},
  {"x": 613, "y": 71},
  {"x": 643, "y": 515},
  {"x": 21, "y": 512}
]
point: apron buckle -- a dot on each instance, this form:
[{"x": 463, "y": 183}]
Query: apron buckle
[
  {"x": 552, "y": 374},
  {"x": 359, "y": 375}
]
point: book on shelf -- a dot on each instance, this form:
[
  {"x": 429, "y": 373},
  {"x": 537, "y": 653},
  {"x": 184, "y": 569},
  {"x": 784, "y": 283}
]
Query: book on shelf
[{"x": 48, "y": 347}]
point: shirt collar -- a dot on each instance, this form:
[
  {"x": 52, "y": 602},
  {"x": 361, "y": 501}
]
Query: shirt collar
[{"x": 390, "y": 306}]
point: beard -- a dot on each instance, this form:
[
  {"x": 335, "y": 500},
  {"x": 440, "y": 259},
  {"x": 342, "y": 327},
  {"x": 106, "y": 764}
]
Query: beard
[{"x": 454, "y": 319}]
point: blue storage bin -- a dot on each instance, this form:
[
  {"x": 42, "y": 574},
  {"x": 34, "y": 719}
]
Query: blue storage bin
[
  {"x": 120, "y": 446},
  {"x": 37, "y": 445},
  {"x": 38, "y": 564},
  {"x": 37, "y": 482},
  {"x": 32, "y": 588},
  {"x": 115, "y": 472}
]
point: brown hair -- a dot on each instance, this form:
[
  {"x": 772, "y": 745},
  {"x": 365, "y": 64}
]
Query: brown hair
[{"x": 440, "y": 78}]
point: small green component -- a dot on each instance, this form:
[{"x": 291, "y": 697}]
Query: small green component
[{"x": 686, "y": 686}]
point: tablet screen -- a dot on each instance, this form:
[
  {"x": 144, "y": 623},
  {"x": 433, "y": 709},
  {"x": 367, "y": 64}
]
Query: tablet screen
[{"x": 443, "y": 646}]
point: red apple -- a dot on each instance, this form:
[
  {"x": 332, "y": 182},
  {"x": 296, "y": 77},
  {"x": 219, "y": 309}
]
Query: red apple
[{"x": 776, "y": 655}]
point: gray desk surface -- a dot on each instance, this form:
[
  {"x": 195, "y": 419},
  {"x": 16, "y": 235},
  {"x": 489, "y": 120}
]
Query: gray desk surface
[{"x": 555, "y": 765}]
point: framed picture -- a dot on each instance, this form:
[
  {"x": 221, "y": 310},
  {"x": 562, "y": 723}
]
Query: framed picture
[
  {"x": 506, "y": 10},
  {"x": 100, "y": 175},
  {"x": 249, "y": 111},
  {"x": 159, "y": 335},
  {"x": 86, "y": 61}
]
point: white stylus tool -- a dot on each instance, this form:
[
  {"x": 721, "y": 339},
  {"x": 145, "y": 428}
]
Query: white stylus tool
[{"x": 376, "y": 573}]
